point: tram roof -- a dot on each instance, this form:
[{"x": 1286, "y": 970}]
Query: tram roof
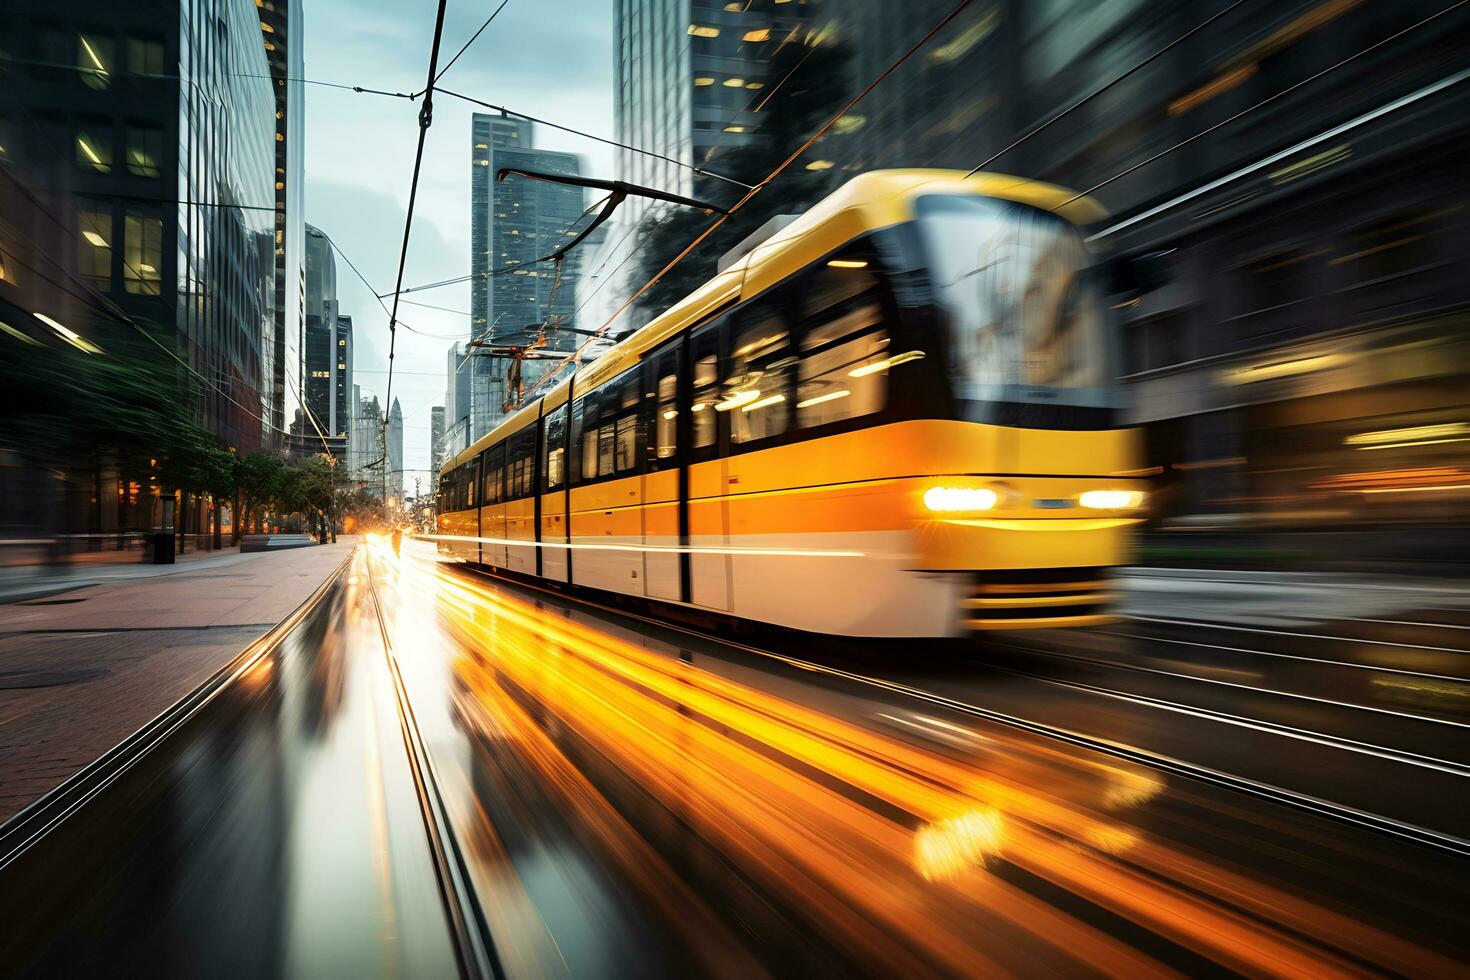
[{"x": 865, "y": 203}]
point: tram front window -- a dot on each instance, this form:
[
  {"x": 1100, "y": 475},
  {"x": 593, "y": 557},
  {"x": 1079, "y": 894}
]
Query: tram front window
[{"x": 1028, "y": 333}]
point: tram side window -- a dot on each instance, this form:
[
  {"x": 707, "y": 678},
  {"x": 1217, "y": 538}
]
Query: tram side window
[
  {"x": 756, "y": 395},
  {"x": 611, "y": 429},
  {"x": 494, "y": 473},
  {"x": 705, "y": 356},
  {"x": 626, "y": 452},
  {"x": 556, "y": 433},
  {"x": 520, "y": 458},
  {"x": 845, "y": 358},
  {"x": 471, "y": 478},
  {"x": 661, "y": 400},
  {"x": 574, "y": 455}
]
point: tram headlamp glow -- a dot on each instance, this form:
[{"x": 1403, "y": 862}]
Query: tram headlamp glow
[
  {"x": 1111, "y": 499},
  {"x": 960, "y": 498}
]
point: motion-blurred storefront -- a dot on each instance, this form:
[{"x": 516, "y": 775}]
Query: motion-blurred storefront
[{"x": 1307, "y": 366}]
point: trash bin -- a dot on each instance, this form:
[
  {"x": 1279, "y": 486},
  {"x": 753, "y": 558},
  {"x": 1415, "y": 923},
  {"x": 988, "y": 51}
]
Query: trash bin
[{"x": 163, "y": 547}]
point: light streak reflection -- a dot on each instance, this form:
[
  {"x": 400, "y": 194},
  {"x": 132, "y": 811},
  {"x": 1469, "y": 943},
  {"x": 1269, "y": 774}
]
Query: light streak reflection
[{"x": 909, "y": 855}]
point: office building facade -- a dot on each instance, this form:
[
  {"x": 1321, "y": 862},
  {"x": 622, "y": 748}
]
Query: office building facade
[
  {"x": 513, "y": 222},
  {"x": 150, "y": 197},
  {"x": 690, "y": 82},
  {"x": 283, "y": 35},
  {"x": 1307, "y": 228}
]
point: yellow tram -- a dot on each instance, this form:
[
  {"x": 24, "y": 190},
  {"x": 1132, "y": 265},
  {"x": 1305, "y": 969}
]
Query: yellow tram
[{"x": 896, "y": 416}]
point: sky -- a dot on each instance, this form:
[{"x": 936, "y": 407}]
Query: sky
[{"x": 547, "y": 58}]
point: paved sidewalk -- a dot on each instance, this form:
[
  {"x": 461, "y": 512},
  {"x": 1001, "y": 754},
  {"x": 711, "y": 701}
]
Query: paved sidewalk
[
  {"x": 18, "y": 582},
  {"x": 81, "y": 671},
  {"x": 1283, "y": 597}
]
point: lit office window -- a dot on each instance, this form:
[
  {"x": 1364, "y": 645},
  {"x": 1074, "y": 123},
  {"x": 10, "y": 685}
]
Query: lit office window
[
  {"x": 94, "y": 147},
  {"x": 142, "y": 254},
  {"x": 94, "y": 247},
  {"x": 94, "y": 60},
  {"x": 145, "y": 146}
]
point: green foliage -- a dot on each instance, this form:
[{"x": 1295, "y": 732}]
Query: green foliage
[
  {"x": 131, "y": 402},
  {"x": 810, "y": 85}
]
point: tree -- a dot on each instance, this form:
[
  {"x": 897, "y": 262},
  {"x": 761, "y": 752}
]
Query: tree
[
  {"x": 261, "y": 482},
  {"x": 809, "y": 85}
]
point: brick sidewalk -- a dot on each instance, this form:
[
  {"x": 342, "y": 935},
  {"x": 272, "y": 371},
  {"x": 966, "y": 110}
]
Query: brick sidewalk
[{"x": 81, "y": 671}]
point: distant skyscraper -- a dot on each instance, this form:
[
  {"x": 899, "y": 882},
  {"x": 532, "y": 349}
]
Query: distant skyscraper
[
  {"x": 515, "y": 221},
  {"x": 355, "y": 433},
  {"x": 320, "y": 333},
  {"x": 368, "y": 471},
  {"x": 395, "y": 450},
  {"x": 341, "y": 380},
  {"x": 436, "y": 438}
]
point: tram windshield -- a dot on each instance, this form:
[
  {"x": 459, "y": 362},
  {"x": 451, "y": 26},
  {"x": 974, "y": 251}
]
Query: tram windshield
[{"x": 1028, "y": 331}]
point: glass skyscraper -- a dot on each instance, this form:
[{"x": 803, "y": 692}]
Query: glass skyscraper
[
  {"x": 689, "y": 82},
  {"x": 283, "y": 30},
  {"x": 515, "y": 221},
  {"x": 320, "y": 333}
]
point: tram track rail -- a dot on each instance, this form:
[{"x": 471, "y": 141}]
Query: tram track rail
[
  {"x": 1163, "y": 762},
  {"x": 473, "y": 943}
]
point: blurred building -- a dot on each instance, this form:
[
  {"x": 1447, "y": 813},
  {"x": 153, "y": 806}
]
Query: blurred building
[
  {"x": 137, "y": 205},
  {"x": 394, "y": 454},
  {"x": 371, "y": 457},
  {"x": 456, "y": 399},
  {"x": 340, "y": 419},
  {"x": 320, "y": 331},
  {"x": 283, "y": 30},
  {"x": 514, "y": 222},
  {"x": 690, "y": 83},
  {"x": 357, "y": 435},
  {"x": 436, "y": 443},
  {"x": 1295, "y": 167}
]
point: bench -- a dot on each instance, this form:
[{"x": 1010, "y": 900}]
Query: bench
[{"x": 274, "y": 542}]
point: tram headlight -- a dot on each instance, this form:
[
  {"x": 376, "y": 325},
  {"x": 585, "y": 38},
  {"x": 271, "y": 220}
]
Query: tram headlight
[
  {"x": 1111, "y": 499},
  {"x": 946, "y": 499}
]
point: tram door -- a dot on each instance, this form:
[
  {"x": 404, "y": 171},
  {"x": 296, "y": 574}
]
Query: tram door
[
  {"x": 708, "y": 509},
  {"x": 661, "y": 474}
]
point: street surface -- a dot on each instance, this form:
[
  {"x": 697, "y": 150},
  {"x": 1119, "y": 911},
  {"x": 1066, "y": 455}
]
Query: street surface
[{"x": 428, "y": 771}]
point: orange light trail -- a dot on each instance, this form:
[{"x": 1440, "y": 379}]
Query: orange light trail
[{"x": 889, "y": 848}]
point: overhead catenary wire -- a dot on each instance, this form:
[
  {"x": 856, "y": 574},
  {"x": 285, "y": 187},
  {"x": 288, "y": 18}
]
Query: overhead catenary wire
[
  {"x": 379, "y": 297},
  {"x": 426, "y": 119},
  {"x": 1264, "y": 102},
  {"x": 781, "y": 168},
  {"x": 1106, "y": 85},
  {"x": 473, "y": 38}
]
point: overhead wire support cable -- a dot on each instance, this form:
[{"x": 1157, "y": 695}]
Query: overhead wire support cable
[
  {"x": 1105, "y": 86},
  {"x": 781, "y": 168},
  {"x": 473, "y": 38},
  {"x": 1266, "y": 101},
  {"x": 703, "y": 172},
  {"x": 426, "y": 119}
]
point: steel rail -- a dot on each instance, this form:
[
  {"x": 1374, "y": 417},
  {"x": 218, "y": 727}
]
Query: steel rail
[{"x": 474, "y": 945}]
